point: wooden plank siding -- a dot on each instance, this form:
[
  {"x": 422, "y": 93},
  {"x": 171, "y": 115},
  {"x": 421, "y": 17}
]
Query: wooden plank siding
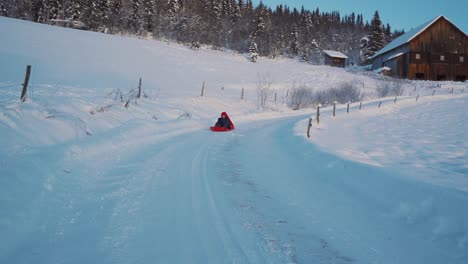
[
  {"x": 335, "y": 62},
  {"x": 439, "y": 52},
  {"x": 439, "y": 47},
  {"x": 440, "y": 37}
]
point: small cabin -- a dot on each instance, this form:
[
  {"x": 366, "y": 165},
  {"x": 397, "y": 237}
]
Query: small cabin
[
  {"x": 335, "y": 58},
  {"x": 436, "y": 50}
]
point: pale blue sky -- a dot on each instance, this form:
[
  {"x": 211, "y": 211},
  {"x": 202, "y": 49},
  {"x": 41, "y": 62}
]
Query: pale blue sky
[{"x": 400, "y": 14}]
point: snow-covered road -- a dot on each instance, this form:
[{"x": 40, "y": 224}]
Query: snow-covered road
[{"x": 254, "y": 195}]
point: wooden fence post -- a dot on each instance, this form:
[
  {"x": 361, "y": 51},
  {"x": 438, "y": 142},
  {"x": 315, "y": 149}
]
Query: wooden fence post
[
  {"x": 360, "y": 105},
  {"x": 433, "y": 92},
  {"x": 275, "y": 97},
  {"x": 242, "y": 94},
  {"x": 127, "y": 104},
  {"x": 417, "y": 97},
  {"x": 380, "y": 104},
  {"x": 139, "y": 89},
  {"x": 318, "y": 113},
  {"x": 347, "y": 109},
  {"x": 394, "y": 101},
  {"x": 334, "y": 108},
  {"x": 25, "y": 84},
  {"x": 308, "y": 127},
  {"x": 452, "y": 90},
  {"x": 203, "y": 89}
]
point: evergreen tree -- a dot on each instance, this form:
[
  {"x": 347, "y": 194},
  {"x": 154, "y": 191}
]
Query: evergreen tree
[
  {"x": 315, "y": 55},
  {"x": 3, "y": 9},
  {"x": 173, "y": 10},
  {"x": 99, "y": 15},
  {"x": 226, "y": 4},
  {"x": 253, "y": 53},
  {"x": 388, "y": 33},
  {"x": 306, "y": 28},
  {"x": 73, "y": 10},
  {"x": 216, "y": 36},
  {"x": 136, "y": 17},
  {"x": 148, "y": 15},
  {"x": 54, "y": 9},
  {"x": 259, "y": 23},
  {"x": 38, "y": 12},
  {"x": 234, "y": 24},
  {"x": 294, "y": 46},
  {"x": 377, "y": 36},
  {"x": 360, "y": 22},
  {"x": 364, "y": 48},
  {"x": 249, "y": 6},
  {"x": 235, "y": 13}
]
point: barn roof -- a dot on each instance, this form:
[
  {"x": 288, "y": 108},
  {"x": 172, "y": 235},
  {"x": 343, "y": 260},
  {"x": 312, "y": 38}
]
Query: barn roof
[
  {"x": 335, "y": 54},
  {"x": 394, "y": 56},
  {"x": 407, "y": 37}
]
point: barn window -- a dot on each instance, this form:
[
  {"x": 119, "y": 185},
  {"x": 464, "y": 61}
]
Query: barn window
[
  {"x": 418, "y": 56},
  {"x": 442, "y": 58},
  {"x": 462, "y": 59},
  {"x": 441, "y": 77}
]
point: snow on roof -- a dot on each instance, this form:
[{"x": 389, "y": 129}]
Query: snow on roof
[
  {"x": 394, "y": 56},
  {"x": 407, "y": 37},
  {"x": 335, "y": 54},
  {"x": 381, "y": 69}
]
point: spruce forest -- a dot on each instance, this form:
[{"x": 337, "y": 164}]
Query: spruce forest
[{"x": 221, "y": 24}]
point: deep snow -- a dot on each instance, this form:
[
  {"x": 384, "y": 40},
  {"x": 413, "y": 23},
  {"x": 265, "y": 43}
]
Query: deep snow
[
  {"x": 84, "y": 179},
  {"x": 427, "y": 139}
]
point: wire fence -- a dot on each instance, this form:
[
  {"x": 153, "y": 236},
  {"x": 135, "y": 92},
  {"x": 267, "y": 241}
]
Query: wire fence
[{"x": 444, "y": 91}]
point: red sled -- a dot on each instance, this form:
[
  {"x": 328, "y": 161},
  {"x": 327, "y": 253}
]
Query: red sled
[{"x": 221, "y": 128}]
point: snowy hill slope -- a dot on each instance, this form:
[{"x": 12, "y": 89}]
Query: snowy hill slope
[
  {"x": 427, "y": 139},
  {"x": 77, "y": 70},
  {"x": 83, "y": 179}
]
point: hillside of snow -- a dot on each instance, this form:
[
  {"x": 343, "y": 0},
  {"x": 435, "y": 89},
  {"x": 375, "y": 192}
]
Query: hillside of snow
[
  {"x": 91, "y": 174},
  {"x": 426, "y": 139}
]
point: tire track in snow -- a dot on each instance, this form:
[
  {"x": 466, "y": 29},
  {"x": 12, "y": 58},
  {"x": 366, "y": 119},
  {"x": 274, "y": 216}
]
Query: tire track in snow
[
  {"x": 176, "y": 208},
  {"x": 203, "y": 184}
]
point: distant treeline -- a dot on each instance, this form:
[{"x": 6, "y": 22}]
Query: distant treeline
[{"x": 231, "y": 24}]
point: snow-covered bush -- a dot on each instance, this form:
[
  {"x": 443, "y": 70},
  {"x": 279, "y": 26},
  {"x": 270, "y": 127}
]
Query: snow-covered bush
[
  {"x": 345, "y": 92},
  {"x": 185, "y": 115},
  {"x": 300, "y": 97},
  {"x": 117, "y": 96},
  {"x": 390, "y": 88},
  {"x": 263, "y": 89}
]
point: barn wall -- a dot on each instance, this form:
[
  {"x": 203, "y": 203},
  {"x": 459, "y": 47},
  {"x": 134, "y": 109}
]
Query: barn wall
[
  {"x": 336, "y": 62},
  {"x": 380, "y": 60},
  {"x": 435, "y": 54},
  {"x": 441, "y": 37},
  {"x": 439, "y": 47}
]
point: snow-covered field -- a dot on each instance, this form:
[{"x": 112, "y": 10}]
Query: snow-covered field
[
  {"x": 83, "y": 179},
  {"x": 427, "y": 139}
]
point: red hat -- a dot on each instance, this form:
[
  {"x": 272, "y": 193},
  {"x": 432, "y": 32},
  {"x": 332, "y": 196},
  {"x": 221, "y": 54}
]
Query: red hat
[{"x": 224, "y": 114}]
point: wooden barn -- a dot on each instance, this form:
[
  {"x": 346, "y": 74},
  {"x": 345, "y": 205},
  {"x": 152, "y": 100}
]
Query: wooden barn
[
  {"x": 335, "y": 58},
  {"x": 436, "y": 50}
]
